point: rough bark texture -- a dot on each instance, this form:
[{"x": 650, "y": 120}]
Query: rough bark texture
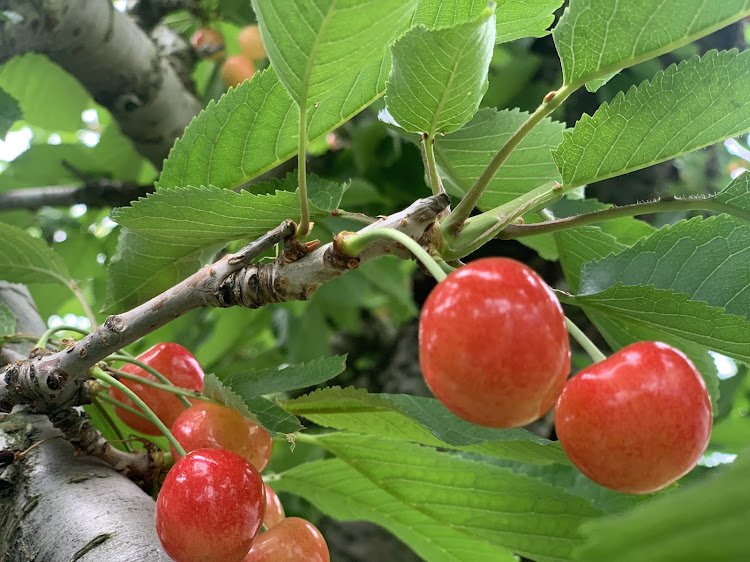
[
  {"x": 122, "y": 68},
  {"x": 58, "y": 506}
]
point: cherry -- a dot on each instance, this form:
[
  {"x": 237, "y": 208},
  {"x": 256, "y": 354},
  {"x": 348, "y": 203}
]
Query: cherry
[
  {"x": 208, "y": 44},
  {"x": 274, "y": 509},
  {"x": 212, "y": 426},
  {"x": 174, "y": 362},
  {"x": 251, "y": 43},
  {"x": 236, "y": 69},
  {"x": 290, "y": 540},
  {"x": 493, "y": 345},
  {"x": 210, "y": 507},
  {"x": 637, "y": 421}
]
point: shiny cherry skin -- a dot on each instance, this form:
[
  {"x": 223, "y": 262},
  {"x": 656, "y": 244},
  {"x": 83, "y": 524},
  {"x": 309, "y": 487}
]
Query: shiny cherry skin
[
  {"x": 274, "y": 509},
  {"x": 236, "y": 69},
  {"x": 637, "y": 421},
  {"x": 291, "y": 540},
  {"x": 250, "y": 43},
  {"x": 211, "y": 426},
  {"x": 493, "y": 345},
  {"x": 210, "y": 507},
  {"x": 208, "y": 44},
  {"x": 174, "y": 362}
]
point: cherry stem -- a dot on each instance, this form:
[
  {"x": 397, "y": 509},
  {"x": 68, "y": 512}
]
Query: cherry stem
[
  {"x": 588, "y": 346},
  {"x": 97, "y": 373},
  {"x": 462, "y": 211},
  {"x": 105, "y": 414},
  {"x": 104, "y": 397},
  {"x": 355, "y": 243},
  {"x": 149, "y": 369},
  {"x": 44, "y": 339},
  {"x": 428, "y": 157},
  {"x": 178, "y": 391}
]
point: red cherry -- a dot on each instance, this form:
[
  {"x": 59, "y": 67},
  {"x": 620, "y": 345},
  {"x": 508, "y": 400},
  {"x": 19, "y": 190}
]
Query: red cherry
[
  {"x": 174, "y": 362},
  {"x": 290, "y": 540},
  {"x": 637, "y": 421},
  {"x": 208, "y": 44},
  {"x": 251, "y": 43},
  {"x": 210, "y": 507},
  {"x": 274, "y": 509},
  {"x": 236, "y": 69},
  {"x": 211, "y": 426},
  {"x": 493, "y": 345}
]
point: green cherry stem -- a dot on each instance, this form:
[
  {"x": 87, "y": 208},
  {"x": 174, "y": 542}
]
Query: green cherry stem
[
  {"x": 428, "y": 153},
  {"x": 178, "y": 391},
  {"x": 99, "y": 374},
  {"x": 355, "y": 243},
  {"x": 104, "y": 397},
  {"x": 462, "y": 211},
  {"x": 44, "y": 339},
  {"x": 149, "y": 369},
  {"x": 105, "y": 414},
  {"x": 588, "y": 346}
]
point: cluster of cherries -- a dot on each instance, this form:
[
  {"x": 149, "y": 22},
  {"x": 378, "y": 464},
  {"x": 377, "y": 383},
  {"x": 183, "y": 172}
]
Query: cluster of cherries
[
  {"x": 494, "y": 350},
  {"x": 214, "y": 503},
  {"x": 209, "y": 44}
]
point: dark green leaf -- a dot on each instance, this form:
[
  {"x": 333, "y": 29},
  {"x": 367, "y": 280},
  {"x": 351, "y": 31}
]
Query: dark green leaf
[
  {"x": 463, "y": 155},
  {"x": 284, "y": 378},
  {"x": 24, "y": 259},
  {"x": 706, "y": 521},
  {"x": 426, "y": 95},
  {"x": 700, "y": 102},
  {"x": 705, "y": 259},
  {"x": 421, "y": 420},
  {"x": 736, "y": 196},
  {"x": 597, "y": 38},
  {"x": 318, "y": 45}
]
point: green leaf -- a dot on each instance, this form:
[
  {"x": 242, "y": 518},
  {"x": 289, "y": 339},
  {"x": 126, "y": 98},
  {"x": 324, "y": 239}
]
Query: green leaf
[
  {"x": 439, "y": 77},
  {"x": 170, "y": 234},
  {"x": 9, "y": 112},
  {"x": 690, "y": 322},
  {"x": 515, "y": 19},
  {"x": 49, "y": 97},
  {"x": 683, "y": 108},
  {"x": 340, "y": 491},
  {"x": 463, "y": 155},
  {"x": 525, "y": 515},
  {"x": 736, "y": 196},
  {"x": 24, "y": 259},
  {"x": 421, "y": 420},
  {"x": 706, "y": 521},
  {"x": 7, "y": 320},
  {"x": 257, "y": 408},
  {"x": 318, "y": 45},
  {"x": 254, "y": 128},
  {"x": 524, "y": 18},
  {"x": 705, "y": 259},
  {"x": 284, "y": 378},
  {"x": 597, "y": 38}
]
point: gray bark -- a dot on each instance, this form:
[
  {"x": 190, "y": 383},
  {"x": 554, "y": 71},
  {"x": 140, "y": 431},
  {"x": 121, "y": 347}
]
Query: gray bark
[{"x": 122, "y": 68}]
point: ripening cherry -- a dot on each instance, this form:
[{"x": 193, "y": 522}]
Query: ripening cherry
[
  {"x": 211, "y": 426},
  {"x": 251, "y": 43},
  {"x": 208, "y": 44},
  {"x": 637, "y": 421},
  {"x": 236, "y": 69},
  {"x": 174, "y": 362},
  {"x": 493, "y": 345},
  {"x": 291, "y": 540},
  {"x": 210, "y": 507},
  {"x": 274, "y": 509}
]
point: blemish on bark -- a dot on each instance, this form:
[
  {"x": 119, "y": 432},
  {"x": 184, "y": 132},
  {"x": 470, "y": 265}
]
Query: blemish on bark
[{"x": 91, "y": 545}]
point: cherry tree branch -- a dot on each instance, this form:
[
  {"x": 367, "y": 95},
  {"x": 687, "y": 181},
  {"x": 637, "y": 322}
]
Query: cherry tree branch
[
  {"x": 114, "y": 59},
  {"x": 665, "y": 204},
  {"x": 99, "y": 193},
  {"x": 232, "y": 281}
]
